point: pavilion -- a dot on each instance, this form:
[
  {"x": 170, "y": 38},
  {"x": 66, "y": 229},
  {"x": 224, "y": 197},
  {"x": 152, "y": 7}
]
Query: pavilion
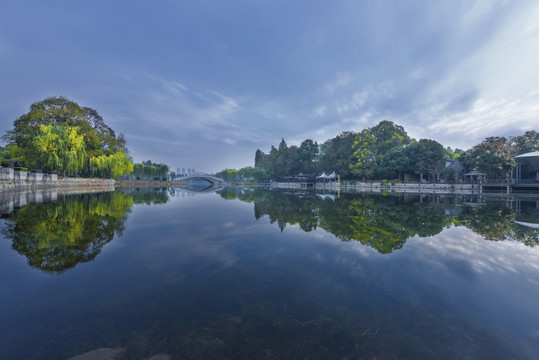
[
  {"x": 477, "y": 174},
  {"x": 530, "y": 159}
]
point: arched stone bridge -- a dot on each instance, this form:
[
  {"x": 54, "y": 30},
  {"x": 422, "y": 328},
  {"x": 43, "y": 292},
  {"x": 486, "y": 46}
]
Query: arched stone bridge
[{"x": 211, "y": 179}]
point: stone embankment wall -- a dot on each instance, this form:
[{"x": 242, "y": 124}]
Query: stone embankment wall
[
  {"x": 379, "y": 187},
  {"x": 334, "y": 186},
  {"x": 85, "y": 183},
  {"x": 413, "y": 187},
  {"x": 23, "y": 181}
]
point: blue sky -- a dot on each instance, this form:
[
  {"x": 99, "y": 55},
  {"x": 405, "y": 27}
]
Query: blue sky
[{"x": 203, "y": 84}]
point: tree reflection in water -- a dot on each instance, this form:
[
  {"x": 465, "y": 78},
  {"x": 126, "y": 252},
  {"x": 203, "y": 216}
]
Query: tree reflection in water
[
  {"x": 56, "y": 236},
  {"x": 385, "y": 222},
  {"x": 148, "y": 196}
]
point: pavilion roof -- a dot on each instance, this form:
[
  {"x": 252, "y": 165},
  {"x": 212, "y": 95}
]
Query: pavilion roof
[
  {"x": 531, "y": 156},
  {"x": 474, "y": 173}
]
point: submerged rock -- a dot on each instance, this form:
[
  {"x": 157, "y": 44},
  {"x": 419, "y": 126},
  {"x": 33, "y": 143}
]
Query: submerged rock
[{"x": 99, "y": 354}]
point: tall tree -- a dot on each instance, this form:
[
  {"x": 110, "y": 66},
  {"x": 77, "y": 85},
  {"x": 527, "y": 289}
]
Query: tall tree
[
  {"x": 492, "y": 156},
  {"x": 308, "y": 156},
  {"x": 336, "y": 154},
  {"x": 373, "y": 144},
  {"x": 426, "y": 156},
  {"x": 388, "y": 135},
  {"x": 366, "y": 164},
  {"x": 395, "y": 163},
  {"x": 273, "y": 162},
  {"x": 260, "y": 159},
  {"x": 522, "y": 144}
]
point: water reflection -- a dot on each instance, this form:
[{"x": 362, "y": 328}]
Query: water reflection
[
  {"x": 56, "y": 236},
  {"x": 385, "y": 222},
  {"x": 201, "y": 277},
  {"x": 149, "y": 196},
  {"x": 57, "y": 233}
]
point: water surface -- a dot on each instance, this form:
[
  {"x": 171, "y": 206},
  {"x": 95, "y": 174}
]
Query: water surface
[{"x": 243, "y": 274}]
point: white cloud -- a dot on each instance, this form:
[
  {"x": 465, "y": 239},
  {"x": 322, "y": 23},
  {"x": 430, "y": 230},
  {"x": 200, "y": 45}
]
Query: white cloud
[
  {"x": 320, "y": 110},
  {"x": 366, "y": 98},
  {"x": 495, "y": 92},
  {"x": 498, "y": 257},
  {"x": 480, "y": 9},
  {"x": 342, "y": 79},
  {"x": 485, "y": 118}
]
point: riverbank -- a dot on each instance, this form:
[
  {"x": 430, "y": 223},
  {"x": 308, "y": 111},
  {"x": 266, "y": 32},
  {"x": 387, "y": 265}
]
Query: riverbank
[
  {"x": 413, "y": 187},
  {"x": 357, "y": 186},
  {"x": 60, "y": 184},
  {"x": 146, "y": 183},
  {"x": 18, "y": 185}
]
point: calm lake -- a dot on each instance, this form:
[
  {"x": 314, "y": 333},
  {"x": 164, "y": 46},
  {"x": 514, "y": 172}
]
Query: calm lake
[{"x": 260, "y": 274}]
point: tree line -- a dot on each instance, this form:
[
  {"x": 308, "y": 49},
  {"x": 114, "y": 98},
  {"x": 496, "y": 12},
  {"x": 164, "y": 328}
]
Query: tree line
[
  {"x": 149, "y": 170},
  {"x": 385, "y": 151}
]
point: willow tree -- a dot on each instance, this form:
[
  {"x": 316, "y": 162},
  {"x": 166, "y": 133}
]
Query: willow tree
[
  {"x": 111, "y": 166},
  {"x": 60, "y": 148},
  {"x": 58, "y": 134}
]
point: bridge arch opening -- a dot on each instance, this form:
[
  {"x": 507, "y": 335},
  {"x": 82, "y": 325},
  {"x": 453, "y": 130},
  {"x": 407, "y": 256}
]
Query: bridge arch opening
[{"x": 200, "y": 184}]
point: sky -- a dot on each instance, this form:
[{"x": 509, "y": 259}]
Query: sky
[{"x": 204, "y": 84}]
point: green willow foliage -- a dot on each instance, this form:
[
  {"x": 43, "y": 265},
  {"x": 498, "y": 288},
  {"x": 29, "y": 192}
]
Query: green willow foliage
[
  {"x": 57, "y": 236},
  {"x": 58, "y": 134},
  {"x": 60, "y": 148}
]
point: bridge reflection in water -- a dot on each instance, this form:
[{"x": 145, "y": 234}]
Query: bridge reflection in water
[{"x": 200, "y": 183}]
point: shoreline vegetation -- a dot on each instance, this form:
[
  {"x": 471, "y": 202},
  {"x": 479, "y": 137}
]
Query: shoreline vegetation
[{"x": 58, "y": 136}]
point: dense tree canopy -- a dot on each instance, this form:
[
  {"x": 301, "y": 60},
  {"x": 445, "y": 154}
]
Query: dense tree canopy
[
  {"x": 149, "y": 170},
  {"x": 337, "y": 155},
  {"x": 288, "y": 160},
  {"x": 58, "y": 134},
  {"x": 365, "y": 164},
  {"x": 426, "y": 156},
  {"x": 228, "y": 174},
  {"x": 522, "y": 144},
  {"x": 387, "y": 135},
  {"x": 395, "y": 163},
  {"x": 492, "y": 157},
  {"x": 250, "y": 173},
  {"x": 371, "y": 145},
  {"x": 386, "y": 151}
]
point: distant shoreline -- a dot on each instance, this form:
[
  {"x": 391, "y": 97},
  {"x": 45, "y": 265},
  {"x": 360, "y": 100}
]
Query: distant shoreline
[{"x": 145, "y": 183}]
